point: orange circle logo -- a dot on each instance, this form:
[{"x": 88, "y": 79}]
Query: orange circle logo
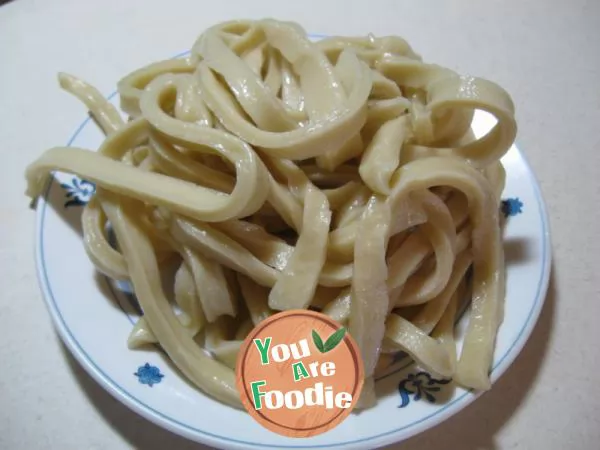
[{"x": 299, "y": 373}]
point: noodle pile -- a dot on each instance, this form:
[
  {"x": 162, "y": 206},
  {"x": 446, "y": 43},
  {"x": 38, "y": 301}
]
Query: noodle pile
[{"x": 277, "y": 173}]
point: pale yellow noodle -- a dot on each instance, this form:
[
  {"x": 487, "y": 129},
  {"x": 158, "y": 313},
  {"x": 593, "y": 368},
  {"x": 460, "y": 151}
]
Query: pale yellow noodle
[
  {"x": 441, "y": 233},
  {"x": 211, "y": 285},
  {"x": 382, "y": 156},
  {"x": 280, "y": 173},
  {"x": 186, "y": 297},
  {"x": 256, "y": 298},
  {"x": 427, "y": 351},
  {"x": 298, "y": 280},
  {"x": 369, "y": 296},
  {"x": 179, "y": 345},
  {"x": 103, "y": 111},
  {"x": 106, "y": 259}
]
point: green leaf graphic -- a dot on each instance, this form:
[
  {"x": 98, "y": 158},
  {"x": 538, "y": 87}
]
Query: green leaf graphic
[
  {"x": 318, "y": 341},
  {"x": 334, "y": 340}
]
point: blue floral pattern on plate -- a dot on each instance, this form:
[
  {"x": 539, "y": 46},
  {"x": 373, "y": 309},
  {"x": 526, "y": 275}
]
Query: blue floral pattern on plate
[
  {"x": 420, "y": 385},
  {"x": 148, "y": 374},
  {"x": 512, "y": 206},
  {"x": 79, "y": 192}
]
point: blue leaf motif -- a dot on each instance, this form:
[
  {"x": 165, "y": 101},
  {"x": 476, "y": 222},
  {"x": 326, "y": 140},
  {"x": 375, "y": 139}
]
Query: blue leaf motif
[
  {"x": 420, "y": 385},
  {"x": 78, "y": 192},
  {"x": 428, "y": 396},
  {"x": 148, "y": 374},
  {"x": 404, "y": 398}
]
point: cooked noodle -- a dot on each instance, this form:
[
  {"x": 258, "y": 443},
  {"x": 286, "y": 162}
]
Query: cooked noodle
[{"x": 279, "y": 173}]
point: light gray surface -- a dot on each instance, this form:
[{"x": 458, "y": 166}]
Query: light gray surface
[{"x": 545, "y": 53}]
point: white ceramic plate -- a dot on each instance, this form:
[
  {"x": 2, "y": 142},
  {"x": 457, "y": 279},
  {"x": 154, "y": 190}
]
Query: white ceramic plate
[{"x": 94, "y": 319}]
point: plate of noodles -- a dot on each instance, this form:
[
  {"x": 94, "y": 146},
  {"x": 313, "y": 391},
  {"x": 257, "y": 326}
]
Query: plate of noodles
[{"x": 266, "y": 170}]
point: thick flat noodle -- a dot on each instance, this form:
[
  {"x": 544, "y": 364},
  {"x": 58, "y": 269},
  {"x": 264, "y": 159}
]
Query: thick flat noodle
[
  {"x": 286, "y": 205},
  {"x": 240, "y": 35},
  {"x": 352, "y": 209},
  {"x": 233, "y": 254},
  {"x": 369, "y": 298},
  {"x": 186, "y": 297},
  {"x": 337, "y": 196},
  {"x": 291, "y": 94},
  {"x": 207, "y": 374},
  {"x": 104, "y": 112},
  {"x": 410, "y": 73},
  {"x": 217, "y": 341},
  {"x": 468, "y": 93},
  {"x": 130, "y": 136},
  {"x": 132, "y": 86},
  {"x": 211, "y": 285},
  {"x": 254, "y": 57},
  {"x": 422, "y": 123},
  {"x": 269, "y": 249},
  {"x": 227, "y": 352},
  {"x": 339, "y": 308},
  {"x": 141, "y": 335},
  {"x": 408, "y": 214},
  {"x": 181, "y": 196},
  {"x": 176, "y": 164},
  {"x": 297, "y": 283},
  {"x": 406, "y": 259},
  {"x": 444, "y": 330},
  {"x": 476, "y": 93},
  {"x": 106, "y": 259},
  {"x": 255, "y": 98},
  {"x": 441, "y": 233},
  {"x": 256, "y": 298},
  {"x": 189, "y": 106},
  {"x": 273, "y": 173},
  {"x": 369, "y": 49},
  {"x": 433, "y": 310},
  {"x": 344, "y": 71},
  {"x": 496, "y": 175},
  {"x": 382, "y": 111},
  {"x": 488, "y": 273},
  {"x": 222, "y": 249},
  {"x": 426, "y": 351},
  {"x": 251, "y": 189},
  {"x": 191, "y": 315},
  {"x": 306, "y": 142},
  {"x": 273, "y": 80},
  {"x": 382, "y": 156},
  {"x": 383, "y": 88},
  {"x": 313, "y": 69}
]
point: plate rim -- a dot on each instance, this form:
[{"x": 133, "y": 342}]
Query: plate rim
[{"x": 206, "y": 437}]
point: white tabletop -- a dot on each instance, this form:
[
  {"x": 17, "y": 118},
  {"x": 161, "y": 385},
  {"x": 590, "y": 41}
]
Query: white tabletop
[{"x": 545, "y": 53}]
